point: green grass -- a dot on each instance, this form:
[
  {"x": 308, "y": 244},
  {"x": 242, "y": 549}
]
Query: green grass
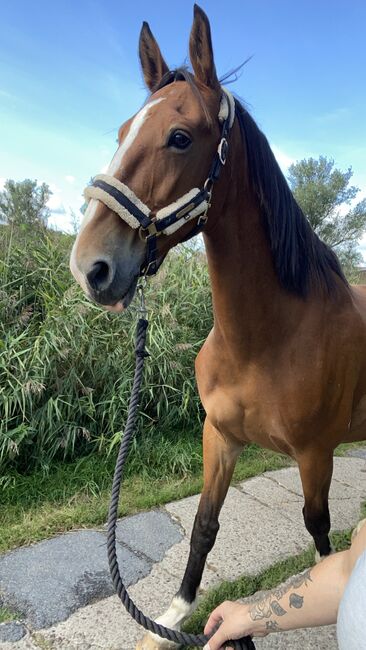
[
  {"x": 7, "y": 615},
  {"x": 342, "y": 449},
  {"x": 74, "y": 495},
  {"x": 267, "y": 579},
  {"x": 77, "y": 494},
  {"x": 66, "y": 365}
]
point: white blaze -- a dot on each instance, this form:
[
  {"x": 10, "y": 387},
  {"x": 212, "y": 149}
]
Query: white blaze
[
  {"x": 115, "y": 165},
  {"x": 135, "y": 126}
]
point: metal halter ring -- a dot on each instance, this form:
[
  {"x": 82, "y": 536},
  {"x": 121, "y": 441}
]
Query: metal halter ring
[{"x": 222, "y": 150}]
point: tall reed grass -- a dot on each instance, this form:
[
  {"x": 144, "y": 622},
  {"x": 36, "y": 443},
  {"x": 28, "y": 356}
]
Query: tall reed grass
[{"x": 66, "y": 366}]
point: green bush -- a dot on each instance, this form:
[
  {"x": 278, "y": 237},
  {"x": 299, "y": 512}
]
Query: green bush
[{"x": 66, "y": 366}]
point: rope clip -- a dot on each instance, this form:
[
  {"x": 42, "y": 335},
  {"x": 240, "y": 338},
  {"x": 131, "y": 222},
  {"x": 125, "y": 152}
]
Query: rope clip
[{"x": 141, "y": 292}]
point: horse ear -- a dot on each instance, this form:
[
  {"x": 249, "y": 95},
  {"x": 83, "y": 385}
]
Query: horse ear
[
  {"x": 152, "y": 62},
  {"x": 200, "y": 49}
]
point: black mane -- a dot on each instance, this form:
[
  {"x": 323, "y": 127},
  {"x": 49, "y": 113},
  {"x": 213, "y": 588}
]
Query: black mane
[{"x": 301, "y": 259}]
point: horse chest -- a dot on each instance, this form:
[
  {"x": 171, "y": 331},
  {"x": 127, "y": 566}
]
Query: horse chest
[{"x": 245, "y": 413}]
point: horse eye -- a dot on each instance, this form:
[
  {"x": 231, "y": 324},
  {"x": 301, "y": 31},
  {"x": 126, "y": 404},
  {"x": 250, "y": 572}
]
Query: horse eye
[{"x": 179, "y": 140}]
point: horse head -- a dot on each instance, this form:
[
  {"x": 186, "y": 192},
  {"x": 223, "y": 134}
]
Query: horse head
[{"x": 163, "y": 152}]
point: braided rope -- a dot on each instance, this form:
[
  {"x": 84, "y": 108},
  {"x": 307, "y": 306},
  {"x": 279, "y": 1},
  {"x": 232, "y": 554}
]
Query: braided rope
[{"x": 178, "y": 637}]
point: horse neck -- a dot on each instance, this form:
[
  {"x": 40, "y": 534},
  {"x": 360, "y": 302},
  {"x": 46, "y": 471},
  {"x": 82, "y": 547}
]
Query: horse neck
[{"x": 251, "y": 309}]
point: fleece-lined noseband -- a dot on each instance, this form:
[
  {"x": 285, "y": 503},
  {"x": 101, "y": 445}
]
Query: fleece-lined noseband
[{"x": 194, "y": 204}]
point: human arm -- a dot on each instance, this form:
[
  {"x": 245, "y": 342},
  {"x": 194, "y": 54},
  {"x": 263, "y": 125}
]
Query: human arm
[{"x": 307, "y": 600}]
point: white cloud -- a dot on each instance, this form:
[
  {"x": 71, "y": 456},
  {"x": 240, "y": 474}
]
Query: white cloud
[
  {"x": 333, "y": 115},
  {"x": 64, "y": 205},
  {"x": 70, "y": 179},
  {"x": 59, "y": 210},
  {"x": 6, "y": 94},
  {"x": 283, "y": 159},
  {"x": 54, "y": 188},
  {"x": 55, "y": 203},
  {"x": 65, "y": 220},
  {"x": 2, "y": 182}
]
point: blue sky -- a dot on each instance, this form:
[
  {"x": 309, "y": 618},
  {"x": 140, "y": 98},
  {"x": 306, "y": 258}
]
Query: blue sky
[{"x": 69, "y": 76}]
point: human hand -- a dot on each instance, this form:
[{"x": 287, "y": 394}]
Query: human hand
[{"x": 234, "y": 621}]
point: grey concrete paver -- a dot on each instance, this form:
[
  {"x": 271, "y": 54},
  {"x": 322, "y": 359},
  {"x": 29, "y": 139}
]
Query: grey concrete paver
[
  {"x": 175, "y": 562},
  {"x": 26, "y": 643},
  {"x": 321, "y": 638},
  {"x": 261, "y": 522},
  {"x": 106, "y": 625},
  {"x": 355, "y": 478},
  {"x": 359, "y": 452},
  {"x": 342, "y": 476},
  {"x": 274, "y": 496},
  {"x": 344, "y": 510},
  {"x": 48, "y": 581},
  {"x": 12, "y": 631},
  {"x": 251, "y": 536},
  {"x": 150, "y": 533}
]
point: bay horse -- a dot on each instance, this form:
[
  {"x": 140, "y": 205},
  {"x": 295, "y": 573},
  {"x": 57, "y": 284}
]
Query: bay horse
[{"x": 284, "y": 365}]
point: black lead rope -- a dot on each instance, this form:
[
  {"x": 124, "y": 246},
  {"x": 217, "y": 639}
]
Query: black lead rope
[{"x": 181, "y": 638}]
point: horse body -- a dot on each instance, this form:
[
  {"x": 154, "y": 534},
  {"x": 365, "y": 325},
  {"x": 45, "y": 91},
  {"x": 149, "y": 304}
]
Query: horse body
[{"x": 285, "y": 363}]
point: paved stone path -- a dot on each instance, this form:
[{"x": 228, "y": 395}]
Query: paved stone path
[{"x": 62, "y": 590}]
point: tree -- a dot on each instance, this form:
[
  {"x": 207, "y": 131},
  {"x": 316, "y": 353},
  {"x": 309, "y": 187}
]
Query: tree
[
  {"x": 24, "y": 203},
  {"x": 324, "y": 194}
]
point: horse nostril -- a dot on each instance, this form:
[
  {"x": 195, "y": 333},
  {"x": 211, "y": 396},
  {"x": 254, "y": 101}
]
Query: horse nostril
[{"x": 99, "y": 275}]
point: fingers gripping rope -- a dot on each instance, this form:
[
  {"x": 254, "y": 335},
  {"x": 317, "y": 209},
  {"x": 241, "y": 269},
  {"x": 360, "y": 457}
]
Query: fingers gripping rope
[{"x": 180, "y": 638}]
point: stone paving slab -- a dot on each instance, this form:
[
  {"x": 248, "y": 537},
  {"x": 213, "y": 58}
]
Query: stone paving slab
[
  {"x": 355, "y": 478},
  {"x": 48, "y": 581},
  {"x": 149, "y": 533},
  {"x": 251, "y": 536},
  {"x": 106, "y": 624},
  {"x": 357, "y": 453},
  {"x": 278, "y": 498},
  {"x": 319, "y": 638},
  {"x": 175, "y": 562},
  {"x": 25, "y": 644},
  {"x": 289, "y": 478},
  {"x": 261, "y": 522},
  {"x": 12, "y": 631}
]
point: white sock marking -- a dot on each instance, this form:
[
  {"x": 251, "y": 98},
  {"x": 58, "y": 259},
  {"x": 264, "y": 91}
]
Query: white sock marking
[{"x": 177, "y": 613}]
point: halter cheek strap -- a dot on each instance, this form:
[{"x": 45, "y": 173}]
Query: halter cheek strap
[{"x": 194, "y": 204}]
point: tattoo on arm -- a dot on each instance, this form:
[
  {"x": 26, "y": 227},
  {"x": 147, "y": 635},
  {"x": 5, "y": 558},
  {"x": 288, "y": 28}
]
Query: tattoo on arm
[
  {"x": 296, "y": 601},
  {"x": 272, "y": 626},
  {"x": 294, "y": 583},
  {"x": 260, "y": 610},
  {"x": 277, "y": 609},
  {"x": 269, "y": 605}
]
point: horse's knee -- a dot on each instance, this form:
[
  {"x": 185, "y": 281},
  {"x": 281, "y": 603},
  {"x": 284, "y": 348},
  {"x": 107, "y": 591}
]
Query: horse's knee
[{"x": 204, "y": 532}]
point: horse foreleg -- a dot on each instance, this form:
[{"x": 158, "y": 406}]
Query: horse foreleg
[
  {"x": 316, "y": 469},
  {"x": 219, "y": 458}
]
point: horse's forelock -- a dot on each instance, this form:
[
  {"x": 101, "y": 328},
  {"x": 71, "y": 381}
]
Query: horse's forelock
[{"x": 184, "y": 74}]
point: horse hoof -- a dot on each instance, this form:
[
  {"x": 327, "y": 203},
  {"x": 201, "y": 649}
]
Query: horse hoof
[{"x": 153, "y": 642}]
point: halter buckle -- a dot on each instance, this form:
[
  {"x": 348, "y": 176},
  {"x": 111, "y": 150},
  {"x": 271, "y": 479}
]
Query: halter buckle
[
  {"x": 150, "y": 231},
  {"x": 222, "y": 150},
  {"x": 208, "y": 186}
]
